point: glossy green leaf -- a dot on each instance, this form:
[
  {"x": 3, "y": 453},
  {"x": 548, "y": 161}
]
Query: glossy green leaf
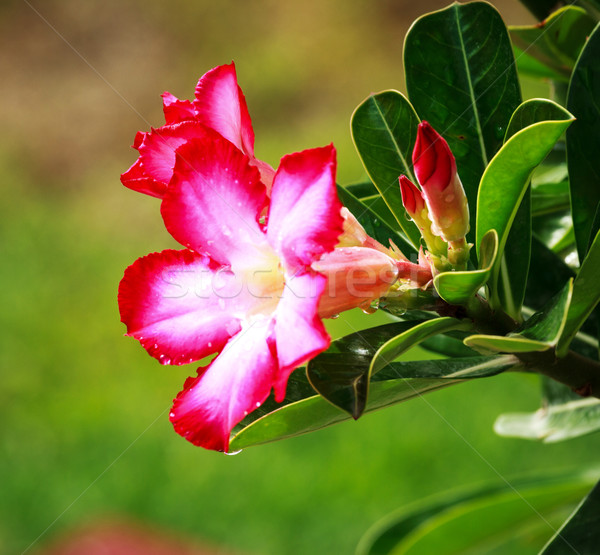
[
  {"x": 362, "y": 190},
  {"x": 375, "y": 226},
  {"x": 586, "y": 294},
  {"x": 583, "y": 141},
  {"x": 461, "y": 77},
  {"x": 513, "y": 267},
  {"x": 539, "y": 333},
  {"x": 548, "y": 198},
  {"x": 384, "y": 129},
  {"x": 515, "y": 518},
  {"x": 581, "y": 533},
  {"x": 341, "y": 374},
  {"x": 404, "y": 341},
  {"x": 504, "y": 183},
  {"x": 556, "y": 42},
  {"x": 555, "y": 230},
  {"x": 449, "y": 345},
  {"x": 459, "y": 287},
  {"x": 563, "y": 415},
  {"x": 530, "y": 67},
  {"x": 301, "y": 412}
]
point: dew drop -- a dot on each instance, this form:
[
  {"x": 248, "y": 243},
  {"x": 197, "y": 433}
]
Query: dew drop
[
  {"x": 334, "y": 316},
  {"x": 257, "y": 404},
  {"x": 397, "y": 309},
  {"x": 221, "y": 303},
  {"x": 231, "y": 453},
  {"x": 449, "y": 198},
  {"x": 226, "y": 231},
  {"x": 171, "y": 415},
  {"x": 370, "y": 307},
  {"x": 209, "y": 344}
]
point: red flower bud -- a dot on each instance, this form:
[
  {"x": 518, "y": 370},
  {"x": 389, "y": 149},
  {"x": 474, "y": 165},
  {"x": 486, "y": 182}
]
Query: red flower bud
[
  {"x": 433, "y": 161},
  {"x": 411, "y": 196}
]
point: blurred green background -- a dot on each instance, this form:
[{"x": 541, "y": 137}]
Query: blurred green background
[{"x": 83, "y": 411}]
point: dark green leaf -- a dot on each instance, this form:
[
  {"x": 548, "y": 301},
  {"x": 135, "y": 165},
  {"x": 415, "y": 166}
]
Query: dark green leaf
[
  {"x": 493, "y": 520},
  {"x": 341, "y": 374},
  {"x": 540, "y": 8},
  {"x": 301, "y": 412},
  {"x": 362, "y": 190},
  {"x": 581, "y": 533},
  {"x": 448, "y": 345},
  {"x": 563, "y": 415},
  {"x": 556, "y": 42},
  {"x": 548, "y": 198},
  {"x": 384, "y": 129},
  {"x": 583, "y": 141},
  {"x": 459, "y": 287},
  {"x": 374, "y": 225},
  {"x": 586, "y": 294},
  {"x": 555, "y": 230},
  {"x": 461, "y": 77}
]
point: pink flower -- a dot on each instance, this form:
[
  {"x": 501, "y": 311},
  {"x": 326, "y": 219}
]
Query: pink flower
[
  {"x": 219, "y": 106},
  {"x": 252, "y": 292},
  {"x": 442, "y": 189}
]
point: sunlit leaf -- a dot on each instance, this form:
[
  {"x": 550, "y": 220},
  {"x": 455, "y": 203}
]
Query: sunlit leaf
[
  {"x": 384, "y": 129},
  {"x": 302, "y": 412},
  {"x": 503, "y": 186},
  {"x": 459, "y": 287},
  {"x": 583, "y": 142},
  {"x": 461, "y": 77}
]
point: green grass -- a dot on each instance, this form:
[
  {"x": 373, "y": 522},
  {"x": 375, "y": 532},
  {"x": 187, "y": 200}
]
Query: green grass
[{"x": 85, "y": 431}]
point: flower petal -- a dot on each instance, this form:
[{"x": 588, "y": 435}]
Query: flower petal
[
  {"x": 179, "y": 305},
  {"x": 157, "y": 151},
  {"x": 305, "y": 218},
  {"x": 220, "y": 105},
  {"x": 176, "y": 110},
  {"x": 299, "y": 332},
  {"x": 136, "y": 178},
  {"x": 214, "y": 201},
  {"x": 233, "y": 385}
]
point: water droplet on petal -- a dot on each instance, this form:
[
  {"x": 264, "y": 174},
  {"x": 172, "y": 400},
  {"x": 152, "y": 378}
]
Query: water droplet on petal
[
  {"x": 397, "y": 309},
  {"x": 221, "y": 303},
  {"x": 171, "y": 415},
  {"x": 334, "y": 316},
  {"x": 209, "y": 344},
  {"x": 257, "y": 404},
  {"x": 449, "y": 198},
  {"x": 369, "y": 307}
]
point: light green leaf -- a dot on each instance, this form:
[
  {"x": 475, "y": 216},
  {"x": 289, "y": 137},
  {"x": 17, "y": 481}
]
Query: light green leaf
[
  {"x": 404, "y": 341},
  {"x": 384, "y": 129},
  {"x": 581, "y": 533},
  {"x": 459, "y": 287},
  {"x": 461, "y": 78},
  {"x": 515, "y": 518},
  {"x": 302, "y": 412},
  {"x": 539, "y": 333},
  {"x": 563, "y": 415},
  {"x": 586, "y": 294},
  {"x": 341, "y": 374},
  {"x": 583, "y": 142},
  {"x": 557, "y": 42},
  {"x": 504, "y": 183}
]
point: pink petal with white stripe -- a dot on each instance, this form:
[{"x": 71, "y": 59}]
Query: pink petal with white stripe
[
  {"x": 180, "y": 306},
  {"x": 157, "y": 151},
  {"x": 233, "y": 385},
  {"x": 299, "y": 332},
  {"x": 176, "y": 110},
  {"x": 220, "y": 105},
  {"x": 214, "y": 201},
  {"x": 305, "y": 214}
]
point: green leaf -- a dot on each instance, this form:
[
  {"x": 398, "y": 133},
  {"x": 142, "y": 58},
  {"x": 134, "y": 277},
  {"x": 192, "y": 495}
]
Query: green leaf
[
  {"x": 513, "y": 267},
  {"x": 563, "y": 415},
  {"x": 404, "y": 341},
  {"x": 341, "y": 374},
  {"x": 555, "y": 230},
  {"x": 513, "y": 518},
  {"x": 583, "y": 141},
  {"x": 362, "y": 190},
  {"x": 375, "y": 226},
  {"x": 459, "y": 287},
  {"x": 586, "y": 294},
  {"x": 556, "y": 42},
  {"x": 301, "y": 412},
  {"x": 548, "y": 198},
  {"x": 539, "y": 333},
  {"x": 461, "y": 77},
  {"x": 530, "y": 67},
  {"x": 581, "y": 533},
  {"x": 384, "y": 129},
  {"x": 504, "y": 183},
  {"x": 540, "y": 8},
  {"x": 448, "y": 345}
]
